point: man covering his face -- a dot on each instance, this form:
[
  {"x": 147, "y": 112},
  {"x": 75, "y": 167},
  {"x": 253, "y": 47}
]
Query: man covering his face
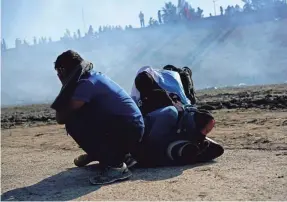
[{"x": 99, "y": 115}]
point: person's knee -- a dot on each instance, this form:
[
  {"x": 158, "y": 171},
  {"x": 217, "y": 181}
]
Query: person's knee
[
  {"x": 167, "y": 115},
  {"x": 160, "y": 124},
  {"x": 171, "y": 113}
]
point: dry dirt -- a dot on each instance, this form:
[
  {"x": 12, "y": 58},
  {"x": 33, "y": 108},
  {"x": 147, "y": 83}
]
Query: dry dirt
[{"x": 37, "y": 155}]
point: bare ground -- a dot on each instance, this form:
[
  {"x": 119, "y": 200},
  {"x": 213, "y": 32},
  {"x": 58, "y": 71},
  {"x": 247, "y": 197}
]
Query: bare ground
[{"x": 37, "y": 156}]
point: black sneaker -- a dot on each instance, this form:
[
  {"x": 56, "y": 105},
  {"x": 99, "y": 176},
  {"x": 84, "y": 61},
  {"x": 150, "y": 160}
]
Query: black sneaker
[
  {"x": 130, "y": 161},
  {"x": 203, "y": 146},
  {"x": 188, "y": 153},
  {"x": 182, "y": 152},
  {"x": 111, "y": 175},
  {"x": 209, "y": 150}
]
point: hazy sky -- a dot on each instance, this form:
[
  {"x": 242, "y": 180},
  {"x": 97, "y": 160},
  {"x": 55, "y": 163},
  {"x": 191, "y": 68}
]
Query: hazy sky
[{"x": 25, "y": 19}]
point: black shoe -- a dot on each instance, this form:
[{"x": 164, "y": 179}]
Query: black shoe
[
  {"x": 188, "y": 153},
  {"x": 111, "y": 175},
  {"x": 182, "y": 152},
  {"x": 130, "y": 161},
  {"x": 210, "y": 150},
  {"x": 203, "y": 146},
  {"x": 188, "y": 149}
]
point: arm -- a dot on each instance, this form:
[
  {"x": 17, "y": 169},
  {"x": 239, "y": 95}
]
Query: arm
[
  {"x": 63, "y": 115},
  {"x": 82, "y": 95}
]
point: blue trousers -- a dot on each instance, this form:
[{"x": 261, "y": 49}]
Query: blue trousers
[
  {"x": 161, "y": 133},
  {"x": 161, "y": 124},
  {"x": 107, "y": 139},
  {"x": 160, "y": 130}
]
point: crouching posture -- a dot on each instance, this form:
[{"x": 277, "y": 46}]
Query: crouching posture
[
  {"x": 175, "y": 131},
  {"x": 99, "y": 115}
]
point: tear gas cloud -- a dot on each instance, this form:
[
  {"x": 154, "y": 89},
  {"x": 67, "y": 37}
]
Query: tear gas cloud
[{"x": 219, "y": 55}]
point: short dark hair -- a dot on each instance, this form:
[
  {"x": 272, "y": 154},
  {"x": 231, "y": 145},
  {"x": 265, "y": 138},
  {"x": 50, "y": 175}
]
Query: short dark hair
[
  {"x": 172, "y": 68},
  {"x": 144, "y": 80},
  {"x": 68, "y": 59}
]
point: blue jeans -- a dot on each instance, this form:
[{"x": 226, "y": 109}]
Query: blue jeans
[
  {"x": 160, "y": 129},
  {"x": 161, "y": 124},
  {"x": 161, "y": 133},
  {"x": 107, "y": 140}
]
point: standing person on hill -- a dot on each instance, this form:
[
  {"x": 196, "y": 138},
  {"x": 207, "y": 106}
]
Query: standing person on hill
[
  {"x": 159, "y": 17},
  {"x": 141, "y": 17}
]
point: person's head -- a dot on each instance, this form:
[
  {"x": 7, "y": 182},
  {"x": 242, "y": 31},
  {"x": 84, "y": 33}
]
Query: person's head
[
  {"x": 171, "y": 68},
  {"x": 144, "y": 82},
  {"x": 66, "y": 63}
]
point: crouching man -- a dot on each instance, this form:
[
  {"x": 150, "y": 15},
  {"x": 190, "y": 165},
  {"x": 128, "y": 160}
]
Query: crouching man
[{"x": 99, "y": 115}]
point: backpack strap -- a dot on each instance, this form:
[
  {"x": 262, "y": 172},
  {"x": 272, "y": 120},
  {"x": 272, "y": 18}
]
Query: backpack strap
[{"x": 186, "y": 110}]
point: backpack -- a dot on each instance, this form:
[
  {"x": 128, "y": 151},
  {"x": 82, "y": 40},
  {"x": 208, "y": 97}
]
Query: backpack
[
  {"x": 195, "y": 124},
  {"x": 185, "y": 74}
]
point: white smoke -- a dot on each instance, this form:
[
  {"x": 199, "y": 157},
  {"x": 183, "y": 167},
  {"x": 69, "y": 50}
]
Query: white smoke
[{"x": 254, "y": 54}]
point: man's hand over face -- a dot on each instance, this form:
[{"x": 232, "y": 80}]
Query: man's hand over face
[
  {"x": 63, "y": 115},
  {"x": 69, "y": 81},
  {"x": 62, "y": 74}
]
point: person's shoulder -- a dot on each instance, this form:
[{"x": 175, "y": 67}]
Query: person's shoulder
[
  {"x": 99, "y": 75},
  {"x": 88, "y": 79},
  {"x": 95, "y": 76}
]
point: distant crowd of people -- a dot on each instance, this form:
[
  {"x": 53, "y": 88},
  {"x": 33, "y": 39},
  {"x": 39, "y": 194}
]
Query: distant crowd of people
[{"x": 170, "y": 13}]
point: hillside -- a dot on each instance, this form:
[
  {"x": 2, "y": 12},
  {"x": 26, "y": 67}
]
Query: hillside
[{"x": 218, "y": 55}]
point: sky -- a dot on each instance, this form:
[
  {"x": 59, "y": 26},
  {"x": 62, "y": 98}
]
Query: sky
[{"x": 25, "y": 19}]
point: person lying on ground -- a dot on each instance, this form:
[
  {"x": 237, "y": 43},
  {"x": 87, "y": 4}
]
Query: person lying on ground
[
  {"x": 99, "y": 115},
  {"x": 175, "y": 134}
]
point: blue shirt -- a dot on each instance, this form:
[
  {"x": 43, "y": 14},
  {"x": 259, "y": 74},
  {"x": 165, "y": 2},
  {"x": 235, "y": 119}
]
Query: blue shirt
[{"x": 106, "y": 99}]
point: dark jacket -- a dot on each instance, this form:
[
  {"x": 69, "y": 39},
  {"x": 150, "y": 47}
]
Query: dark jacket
[{"x": 152, "y": 96}]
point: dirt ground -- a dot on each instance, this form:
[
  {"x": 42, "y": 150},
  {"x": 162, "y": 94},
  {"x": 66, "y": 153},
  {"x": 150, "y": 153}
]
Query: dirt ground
[{"x": 37, "y": 156}]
